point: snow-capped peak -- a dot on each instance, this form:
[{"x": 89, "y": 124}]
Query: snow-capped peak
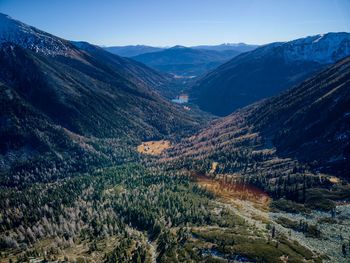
[
  {"x": 28, "y": 37},
  {"x": 318, "y": 39},
  {"x": 323, "y": 48}
]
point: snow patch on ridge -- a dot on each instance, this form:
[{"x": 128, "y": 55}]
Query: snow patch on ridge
[
  {"x": 325, "y": 49},
  {"x": 28, "y": 37},
  {"x": 318, "y": 39}
]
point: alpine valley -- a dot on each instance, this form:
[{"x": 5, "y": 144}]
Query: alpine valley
[{"x": 99, "y": 162}]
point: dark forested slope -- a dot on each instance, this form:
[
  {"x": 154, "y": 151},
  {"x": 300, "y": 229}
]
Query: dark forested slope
[
  {"x": 266, "y": 71},
  {"x": 54, "y": 88},
  {"x": 307, "y": 127}
]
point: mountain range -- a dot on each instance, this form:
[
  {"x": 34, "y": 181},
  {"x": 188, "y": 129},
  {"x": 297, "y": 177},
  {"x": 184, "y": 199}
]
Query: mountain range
[
  {"x": 266, "y": 71},
  {"x": 183, "y": 61},
  {"x": 239, "y": 47},
  {"x": 131, "y": 51}
]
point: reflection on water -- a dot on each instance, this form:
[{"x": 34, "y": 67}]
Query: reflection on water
[
  {"x": 213, "y": 252},
  {"x": 183, "y": 98}
]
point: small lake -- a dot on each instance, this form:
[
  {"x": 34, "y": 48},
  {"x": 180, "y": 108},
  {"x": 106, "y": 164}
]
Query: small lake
[
  {"x": 217, "y": 254},
  {"x": 181, "y": 99}
]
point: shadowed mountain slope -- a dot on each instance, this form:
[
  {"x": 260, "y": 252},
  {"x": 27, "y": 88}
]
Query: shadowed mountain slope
[
  {"x": 307, "y": 126},
  {"x": 60, "y": 98},
  {"x": 266, "y": 71}
]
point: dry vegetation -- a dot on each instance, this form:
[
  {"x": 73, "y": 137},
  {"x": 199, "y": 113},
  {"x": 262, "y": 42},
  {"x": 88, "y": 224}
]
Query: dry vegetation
[
  {"x": 232, "y": 192},
  {"x": 334, "y": 180},
  {"x": 153, "y": 147}
]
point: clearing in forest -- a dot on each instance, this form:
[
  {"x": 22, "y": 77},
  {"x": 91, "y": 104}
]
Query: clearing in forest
[{"x": 153, "y": 147}]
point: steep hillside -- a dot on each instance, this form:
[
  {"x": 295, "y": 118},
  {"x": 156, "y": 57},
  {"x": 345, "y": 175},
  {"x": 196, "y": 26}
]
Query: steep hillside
[
  {"x": 32, "y": 38},
  {"x": 160, "y": 82},
  {"x": 266, "y": 71},
  {"x": 88, "y": 96},
  {"x": 185, "y": 61},
  {"x": 34, "y": 149},
  {"x": 129, "y": 68},
  {"x": 288, "y": 139},
  {"x": 311, "y": 122},
  {"x": 79, "y": 92}
]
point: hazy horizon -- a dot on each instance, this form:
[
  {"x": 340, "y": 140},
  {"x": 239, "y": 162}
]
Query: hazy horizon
[
  {"x": 222, "y": 43},
  {"x": 166, "y": 24}
]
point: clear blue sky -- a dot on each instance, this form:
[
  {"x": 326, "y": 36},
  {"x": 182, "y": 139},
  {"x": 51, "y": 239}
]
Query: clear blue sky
[{"x": 185, "y": 22}]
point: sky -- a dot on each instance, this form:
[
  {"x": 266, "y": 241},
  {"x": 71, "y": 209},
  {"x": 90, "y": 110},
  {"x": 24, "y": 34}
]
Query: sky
[{"x": 181, "y": 22}]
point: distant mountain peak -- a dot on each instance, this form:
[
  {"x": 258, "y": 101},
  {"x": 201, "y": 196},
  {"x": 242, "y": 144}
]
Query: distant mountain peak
[
  {"x": 234, "y": 44},
  {"x": 28, "y": 37},
  {"x": 178, "y": 47}
]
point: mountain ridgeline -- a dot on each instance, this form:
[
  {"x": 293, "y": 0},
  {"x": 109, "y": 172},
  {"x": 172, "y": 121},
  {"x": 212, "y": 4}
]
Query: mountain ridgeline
[
  {"x": 266, "y": 71},
  {"x": 183, "y": 61},
  {"x": 77, "y": 91},
  {"x": 131, "y": 51}
]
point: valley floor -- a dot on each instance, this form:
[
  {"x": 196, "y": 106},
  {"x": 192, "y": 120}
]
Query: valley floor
[{"x": 133, "y": 214}]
